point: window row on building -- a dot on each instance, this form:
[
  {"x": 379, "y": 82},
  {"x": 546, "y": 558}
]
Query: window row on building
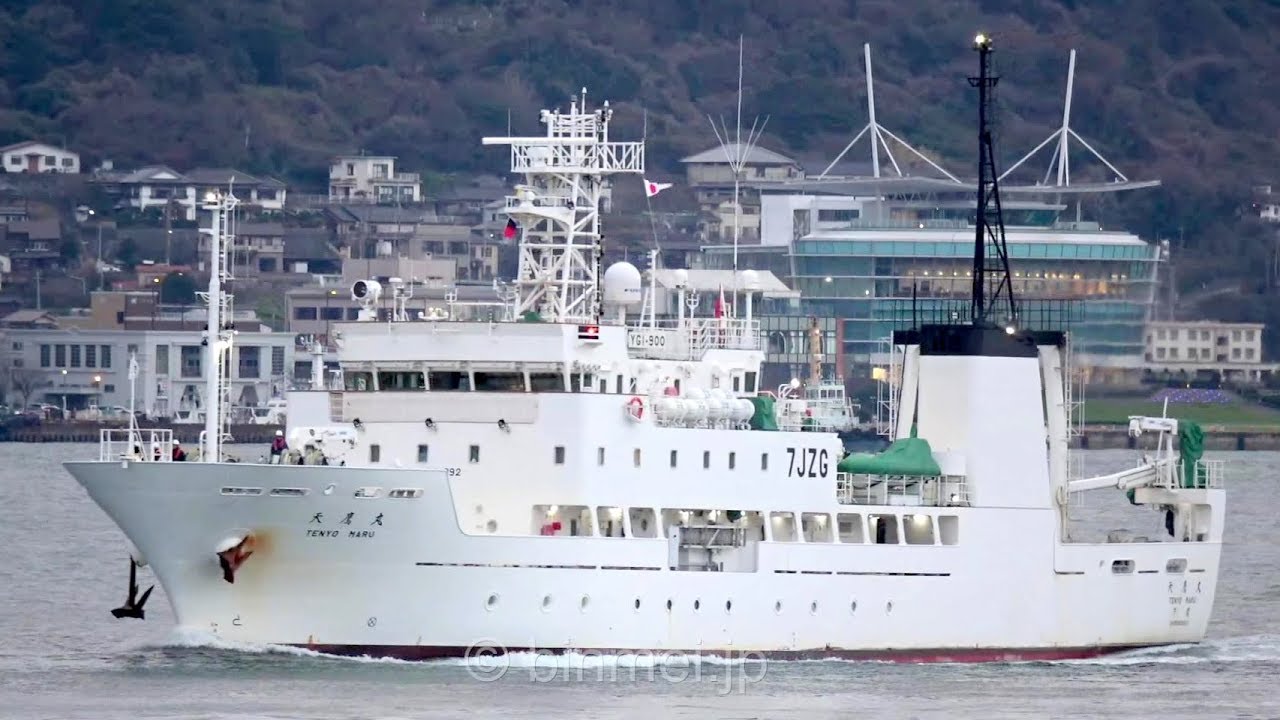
[{"x": 75, "y": 355}]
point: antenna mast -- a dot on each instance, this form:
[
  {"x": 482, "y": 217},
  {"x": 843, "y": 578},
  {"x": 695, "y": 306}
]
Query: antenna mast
[
  {"x": 558, "y": 208},
  {"x": 989, "y": 224},
  {"x": 219, "y": 331},
  {"x": 737, "y": 154}
]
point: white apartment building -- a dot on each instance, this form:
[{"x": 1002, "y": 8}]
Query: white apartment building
[
  {"x": 372, "y": 178},
  {"x": 1234, "y": 350}
]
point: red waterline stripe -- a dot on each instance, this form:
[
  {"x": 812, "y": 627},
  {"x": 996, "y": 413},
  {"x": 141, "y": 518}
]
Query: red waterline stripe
[{"x": 934, "y": 655}]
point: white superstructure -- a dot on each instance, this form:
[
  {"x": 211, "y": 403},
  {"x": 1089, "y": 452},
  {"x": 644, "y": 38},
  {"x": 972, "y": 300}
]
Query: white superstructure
[{"x": 587, "y": 476}]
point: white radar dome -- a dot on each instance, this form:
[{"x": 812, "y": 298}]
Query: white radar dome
[
  {"x": 681, "y": 278},
  {"x": 622, "y": 284},
  {"x": 750, "y": 280}
]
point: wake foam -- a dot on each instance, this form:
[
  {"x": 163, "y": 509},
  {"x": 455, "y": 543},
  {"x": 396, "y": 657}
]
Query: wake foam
[{"x": 1246, "y": 649}]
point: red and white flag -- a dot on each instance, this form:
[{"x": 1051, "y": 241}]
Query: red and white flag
[
  {"x": 720, "y": 303},
  {"x": 653, "y": 188}
]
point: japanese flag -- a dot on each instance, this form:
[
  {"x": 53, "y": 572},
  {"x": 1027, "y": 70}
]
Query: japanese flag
[{"x": 653, "y": 188}]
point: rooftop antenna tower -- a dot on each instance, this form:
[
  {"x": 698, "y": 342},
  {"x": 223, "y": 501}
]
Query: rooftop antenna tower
[
  {"x": 738, "y": 153},
  {"x": 1061, "y": 161},
  {"x": 558, "y": 208},
  {"x": 990, "y": 269},
  {"x": 879, "y": 134}
]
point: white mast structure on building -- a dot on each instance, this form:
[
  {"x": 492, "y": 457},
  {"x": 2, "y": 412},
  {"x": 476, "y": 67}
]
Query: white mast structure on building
[
  {"x": 1061, "y": 161},
  {"x": 558, "y": 209},
  {"x": 879, "y": 134},
  {"x": 218, "y": 333},
  {"x": 738, "y": 153}
]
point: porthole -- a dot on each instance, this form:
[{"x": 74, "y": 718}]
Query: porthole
[
  {"x": 728, "y": 606},
  {"x": 853, "y": 607},
  {"x": 637, "y": 604},
  {"x": 492, "y": 602},
  {"x": 777, "y": 607},
  {"x": 491, "y": 526},
  {"x": 668, "y": 604},
  {"x": 586, "y": 600},
  {"x": 546, "y": 602},
  {"x": 813, "y": 608},
  {"x": 888, "y": 607},
  {"x": 697, "y": 605}
]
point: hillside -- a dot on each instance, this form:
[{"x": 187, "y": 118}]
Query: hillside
[{"x": 1184, "y": 93}]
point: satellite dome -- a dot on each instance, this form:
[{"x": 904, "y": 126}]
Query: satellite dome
[
  {"x": 622, "y": 284},
  {"x": 681, "y": 277},
  {"x": 750, "y": 280}
]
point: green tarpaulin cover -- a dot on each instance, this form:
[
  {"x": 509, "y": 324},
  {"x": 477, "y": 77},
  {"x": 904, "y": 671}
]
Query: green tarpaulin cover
[
  {"x": 1191, "y": 448},
  {"x": 763, "y": 418},
  {"x": 906, "y": 456}
]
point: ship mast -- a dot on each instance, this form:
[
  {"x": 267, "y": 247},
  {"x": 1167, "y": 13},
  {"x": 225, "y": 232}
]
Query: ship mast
[
  {"x": 218, "y": 332},
  {"x": 558, "y": 209},
  {"x": 990, "y": 269}
]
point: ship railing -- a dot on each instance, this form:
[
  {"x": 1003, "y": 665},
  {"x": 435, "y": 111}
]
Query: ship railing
[
  {"x": 911, "y": 490},
  {"x": 1207, "y": 474},
  {"x": 152, "y": 445}
]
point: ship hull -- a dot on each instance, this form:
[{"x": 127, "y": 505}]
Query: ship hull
[{"x": 330, "y": 570}]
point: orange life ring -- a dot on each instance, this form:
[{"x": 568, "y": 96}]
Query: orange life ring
[{"x": 635, "y": 408}]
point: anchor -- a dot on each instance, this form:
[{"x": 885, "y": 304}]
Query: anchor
[{"x": 133, "y": 604}]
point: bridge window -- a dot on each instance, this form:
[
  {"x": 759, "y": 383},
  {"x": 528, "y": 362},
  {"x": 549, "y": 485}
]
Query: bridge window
[
  {"x": 544, "y": 382},
  {"x": 422, "y": 453},
  {"x": 401, "y": 381},
  {"x": 358, "y": 381},
  {"x": 559, "y": 454},
  {"x": 751, "y": 382},
  {"x": 501, "y": 382},
  {"x": 449, "y": 380},
  {"x": 375, "y": 453},
  {"x": 673, "y": 458}
]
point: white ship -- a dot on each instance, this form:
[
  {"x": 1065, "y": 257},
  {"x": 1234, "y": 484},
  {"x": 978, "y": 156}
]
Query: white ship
[{"x": 586, "y": 477}]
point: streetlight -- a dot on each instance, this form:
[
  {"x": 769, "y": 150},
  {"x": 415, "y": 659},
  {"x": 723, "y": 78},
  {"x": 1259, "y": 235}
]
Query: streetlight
[{"x": 98, "y": 222}]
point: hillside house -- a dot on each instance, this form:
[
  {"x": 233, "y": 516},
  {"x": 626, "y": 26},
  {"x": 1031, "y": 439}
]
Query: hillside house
[
  {"x": 159, "y": 187},
  {"x": 37, "y": 157},
  {"x": 711, "y": 177},
  {"x": 372, "y": 179}
]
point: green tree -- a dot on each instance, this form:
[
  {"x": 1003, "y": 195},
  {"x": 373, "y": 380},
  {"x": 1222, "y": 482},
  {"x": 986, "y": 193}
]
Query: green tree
[
  {"x": 127, "y": 253},
  {"x": 178, "y": 288}
]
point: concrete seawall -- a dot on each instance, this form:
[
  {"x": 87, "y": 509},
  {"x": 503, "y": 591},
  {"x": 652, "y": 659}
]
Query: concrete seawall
[
  {"x": 90, "y": 432},
  {"x": 1109, "y": 437}
]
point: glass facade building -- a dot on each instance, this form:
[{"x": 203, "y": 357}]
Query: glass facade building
[{"x": 874, "y": 275}]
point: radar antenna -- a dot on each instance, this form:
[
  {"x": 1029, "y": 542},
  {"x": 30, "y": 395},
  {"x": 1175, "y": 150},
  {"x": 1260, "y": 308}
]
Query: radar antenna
[{"x": 992, "y": 281}]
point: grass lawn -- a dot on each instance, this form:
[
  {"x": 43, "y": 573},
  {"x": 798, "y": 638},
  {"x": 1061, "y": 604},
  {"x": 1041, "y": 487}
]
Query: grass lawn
[{"x": 1116, "y": 411}]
